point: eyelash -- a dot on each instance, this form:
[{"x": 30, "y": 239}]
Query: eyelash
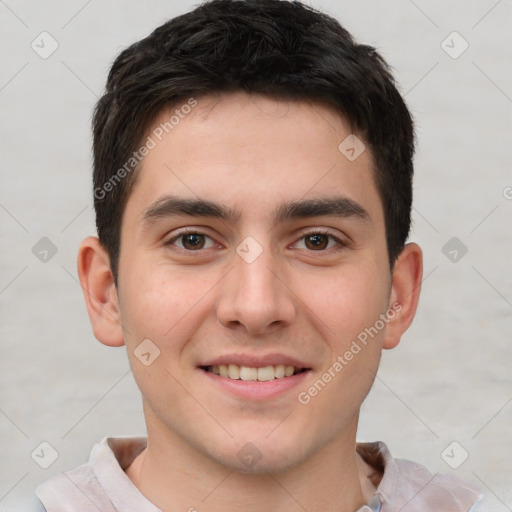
[{"x": 340, "y": 243}]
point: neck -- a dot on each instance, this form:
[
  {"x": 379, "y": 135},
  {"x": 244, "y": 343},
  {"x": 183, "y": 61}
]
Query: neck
[{"x": 175, "y": 476}]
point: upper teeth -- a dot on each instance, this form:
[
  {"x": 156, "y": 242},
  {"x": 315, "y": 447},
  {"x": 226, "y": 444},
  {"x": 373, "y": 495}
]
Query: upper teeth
[{"x": 233, "y": 371}]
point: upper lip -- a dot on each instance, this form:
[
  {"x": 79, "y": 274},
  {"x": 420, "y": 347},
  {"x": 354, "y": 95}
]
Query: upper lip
[{"x": 256, "y": 361}]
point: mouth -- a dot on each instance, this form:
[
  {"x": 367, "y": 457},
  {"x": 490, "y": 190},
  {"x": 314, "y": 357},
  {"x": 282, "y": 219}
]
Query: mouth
[{"x": 260, "y": 374}]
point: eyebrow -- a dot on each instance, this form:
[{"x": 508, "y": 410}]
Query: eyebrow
[
  {"x": 336, "y": 206},
  {"x": 169, "y": 206}
]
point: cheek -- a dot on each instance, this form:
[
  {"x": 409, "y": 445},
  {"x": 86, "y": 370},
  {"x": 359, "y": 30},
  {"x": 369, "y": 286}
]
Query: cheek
[
  {"x": 346, "y": 315},
  {"x": 160, "y": 303},
  {"x": 346, "y": 301},
  {"x": 161, "y": 307},
  {"x": 352, "y": 312}
]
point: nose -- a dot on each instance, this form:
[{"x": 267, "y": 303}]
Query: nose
[{"x": 254, "y": 296}]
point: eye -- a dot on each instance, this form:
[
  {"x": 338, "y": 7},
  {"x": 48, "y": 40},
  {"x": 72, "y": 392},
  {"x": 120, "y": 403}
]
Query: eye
[
  {"x": 318, "y": 241},
  {"x": 191, "y": 241}
]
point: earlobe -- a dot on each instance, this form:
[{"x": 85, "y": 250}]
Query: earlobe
[
  {"x": 100, "y": 292},
  {"x": 405, "y": 293}
]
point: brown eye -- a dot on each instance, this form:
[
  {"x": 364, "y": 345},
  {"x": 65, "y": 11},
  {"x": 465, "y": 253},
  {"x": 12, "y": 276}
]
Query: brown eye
[
  {"x": 193, "y": 241},
  {"x": 316, "y": 241}
]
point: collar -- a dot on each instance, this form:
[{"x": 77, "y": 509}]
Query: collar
[
  {"x": 400, "y": 484},
  {"x": 410, "y": 487}
]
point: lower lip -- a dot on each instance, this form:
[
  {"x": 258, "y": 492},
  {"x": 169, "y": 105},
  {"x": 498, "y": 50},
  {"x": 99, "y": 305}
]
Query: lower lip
[{"x": 254, "y": 389}]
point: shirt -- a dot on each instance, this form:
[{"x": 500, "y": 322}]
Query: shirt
[{"x": 102, "y": 483}]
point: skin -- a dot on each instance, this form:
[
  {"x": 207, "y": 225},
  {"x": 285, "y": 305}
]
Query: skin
[{"x": 251, "y": 154}]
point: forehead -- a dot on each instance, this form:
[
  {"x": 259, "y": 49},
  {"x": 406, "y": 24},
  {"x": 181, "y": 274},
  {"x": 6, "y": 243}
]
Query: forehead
[{"x": 252, "y": 151}]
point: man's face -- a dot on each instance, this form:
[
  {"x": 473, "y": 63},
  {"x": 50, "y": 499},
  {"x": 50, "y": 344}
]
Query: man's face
[{"x": 250, "y": 238}]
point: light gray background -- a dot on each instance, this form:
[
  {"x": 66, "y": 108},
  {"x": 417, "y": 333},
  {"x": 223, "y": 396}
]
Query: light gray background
[{"x": 450, "y": 378}]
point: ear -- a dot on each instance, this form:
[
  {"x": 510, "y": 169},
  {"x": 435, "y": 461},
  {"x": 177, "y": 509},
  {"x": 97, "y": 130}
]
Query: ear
[
  {"x": 405, "y": 293},
  {"x": 100, "y": 292}
]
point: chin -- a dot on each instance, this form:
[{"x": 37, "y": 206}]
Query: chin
[
  {"x": 261, "y": 456},
  {"x": 263, "y": 466}
]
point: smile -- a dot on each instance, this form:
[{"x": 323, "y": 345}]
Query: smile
[{"x": 262, "y": 374}]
